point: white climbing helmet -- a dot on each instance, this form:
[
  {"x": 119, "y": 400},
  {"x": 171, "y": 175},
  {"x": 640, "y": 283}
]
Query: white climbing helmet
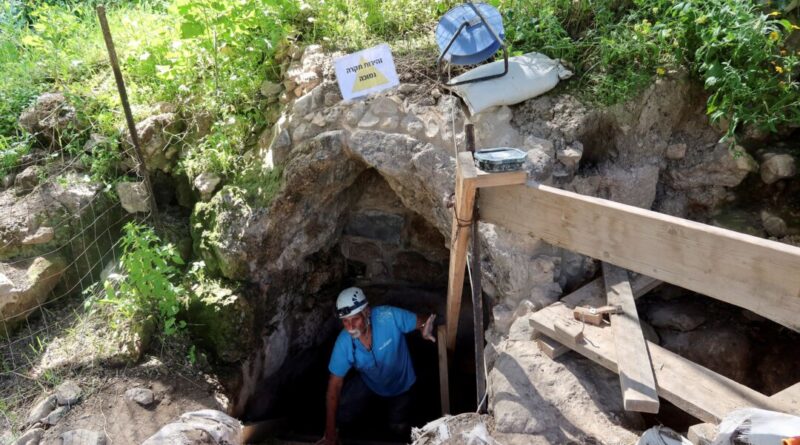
[{"x": 350, "y": 302}]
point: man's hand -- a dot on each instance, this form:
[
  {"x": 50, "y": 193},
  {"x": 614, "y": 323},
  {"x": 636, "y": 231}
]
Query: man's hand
[{"x": 427, "y": 329}]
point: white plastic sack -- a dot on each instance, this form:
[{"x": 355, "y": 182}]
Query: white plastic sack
[
  {"x": 757, "y": 427},
  {"x": 659, "y": 435},
  {"x": 529, "y": 75},
  {"x": 210, "y": 425}
]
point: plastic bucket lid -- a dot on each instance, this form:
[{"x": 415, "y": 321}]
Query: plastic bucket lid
[{"x": 475, "y": 43}]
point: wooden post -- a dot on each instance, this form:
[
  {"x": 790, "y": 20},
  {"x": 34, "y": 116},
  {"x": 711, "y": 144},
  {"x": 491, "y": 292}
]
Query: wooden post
[
  {"x": 477, "y": 290},
  {"x": 123, "y": 97},
  {"x": 466, "y": 177},
  {"x": 444, "y": 380}
]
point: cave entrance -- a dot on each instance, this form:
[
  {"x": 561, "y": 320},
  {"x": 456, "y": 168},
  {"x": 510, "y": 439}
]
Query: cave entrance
[{"x": 398, "y": 258}]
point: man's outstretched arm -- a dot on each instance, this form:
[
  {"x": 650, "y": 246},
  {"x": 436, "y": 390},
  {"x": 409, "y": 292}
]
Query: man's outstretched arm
[{"x": 332, "y": 402}]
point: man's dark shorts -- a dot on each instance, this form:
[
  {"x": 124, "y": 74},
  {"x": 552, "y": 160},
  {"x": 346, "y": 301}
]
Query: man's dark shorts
[{"x": 357, "y": 400}]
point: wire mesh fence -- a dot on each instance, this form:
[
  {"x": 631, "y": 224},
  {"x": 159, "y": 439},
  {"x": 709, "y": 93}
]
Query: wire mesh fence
[{"x": 60, "y": 234}]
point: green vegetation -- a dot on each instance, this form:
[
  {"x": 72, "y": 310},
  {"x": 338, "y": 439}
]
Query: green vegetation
[
  {"x": 146, "y": 285},
  {"x": 735, "y": 47}
]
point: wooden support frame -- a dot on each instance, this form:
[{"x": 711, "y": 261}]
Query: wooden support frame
[
  {"x": 633, "y": 360},
  {"x": 468, "y": 180},
  {"x": 754, "y": 273},
  {"x": 693, "y": 388}
]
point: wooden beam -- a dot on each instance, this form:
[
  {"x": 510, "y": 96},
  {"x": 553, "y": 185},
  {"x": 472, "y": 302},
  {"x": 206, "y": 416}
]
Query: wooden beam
[
  {"x": 633, "y": 361},
  {"x": 789, "y": 396},
  {"x": 749, "y": 272},
  {"x": 444, "y": 379},
  {"x": 697, "y": 390},
  {"x": 466, "y": 175}
]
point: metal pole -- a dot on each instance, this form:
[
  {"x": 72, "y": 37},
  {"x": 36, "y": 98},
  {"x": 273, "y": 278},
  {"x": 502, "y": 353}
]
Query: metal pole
[
  {"x": 123, "y": 96},
  {"x": 475, "y": 285}
]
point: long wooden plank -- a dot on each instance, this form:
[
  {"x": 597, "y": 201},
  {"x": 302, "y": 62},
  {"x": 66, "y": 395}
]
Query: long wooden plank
[
  {"x": 466, "y": 175},
  {"x": 633, "y": 361},
  {"x": 444, "y": 378},
  {"x": 697, "y": 390},
  {"x": 749, "y": 272}
]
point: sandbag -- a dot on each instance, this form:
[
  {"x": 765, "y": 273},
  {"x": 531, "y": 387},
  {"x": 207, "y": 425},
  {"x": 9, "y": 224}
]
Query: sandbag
[
  {"x": 757, "y": 427},
  {"x": 529, "y": 75}
]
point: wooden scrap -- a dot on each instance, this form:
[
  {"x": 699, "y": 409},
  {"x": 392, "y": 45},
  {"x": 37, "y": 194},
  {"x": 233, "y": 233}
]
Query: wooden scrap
[
  {"x": 633, "y": 360},
  {"x": 568, "y": 331},
  {"x": 593, "y": 315}
]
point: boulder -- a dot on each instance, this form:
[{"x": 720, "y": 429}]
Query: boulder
[
  {"x": 68, "y": 393},
  {"x": 31, "y": 437},
  {"x": 133, "y": 196},
  {"x": 776, "y": 167},
  {"x": 206, "y": 183},
  {"x": 773, "y": 224},
  {"x": 205, "y": 426},
  {"x": 27, "y": 285},
  {"x": 28, "y": 179},
  {"x": 544, "y": 401},
  {"x": 222, "y": 319},
  {"x": 42, "y": 409},
  {"x": 48, "y": 117},
  {"x": 55, "y": 415},
  {"x": 157, "y": 139},
  {"x": 270, "y": 90},
  {"x": 216, "y": 226},
  {"x": 42, "y": 235},
  {"x": 142, "y": 396}
]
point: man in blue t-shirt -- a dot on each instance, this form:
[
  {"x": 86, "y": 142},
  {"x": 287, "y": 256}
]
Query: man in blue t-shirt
[{"x": 373, "y": 343}]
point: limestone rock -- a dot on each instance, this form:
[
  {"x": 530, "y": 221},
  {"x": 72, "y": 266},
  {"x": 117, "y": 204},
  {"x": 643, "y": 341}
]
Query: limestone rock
[
  {"x": 42, "y": 235},
  {"x": 206, "y": 183},
  {"x": 270, "y": 90},
  {"x": 31, "y": 437},
  {"x": 33, "y": 282},
  {"x": 68, "y": 393},
  {"x": 142, "y": 396},
  {"x": 776, "y": 167},
  {"x": 369, "y": 120},
  {"x": 216, "y": 226},
  {"x": 518, "y": 268},
  {"x": 222, "y": 320},
  {"x": 571, "y": 155},
  {"x": 385, "y": 106},
  {"x": 306, "y": 73},
  {"x": 773, "y": 224},
  {"x": 494, "y": 129},
  {"x": 56, "y": 415},
  {"x": 502, "y": 316},
  {"x": 570, "y": 400},
  {"x": 157, "y": 137},
  {"x": 205, "y": 426},
  {"x": 82, "y": 437},
  {"x": 28, "y": 179},
  {"x": 42, "y": 409},
  {"x": 133, "y": 196},
  {"x": 539, "y": 165},
  {"x": 49, "y": 115}
]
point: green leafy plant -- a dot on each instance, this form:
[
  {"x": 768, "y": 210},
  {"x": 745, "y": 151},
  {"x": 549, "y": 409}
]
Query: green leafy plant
[{"x": 147, "y": 285}]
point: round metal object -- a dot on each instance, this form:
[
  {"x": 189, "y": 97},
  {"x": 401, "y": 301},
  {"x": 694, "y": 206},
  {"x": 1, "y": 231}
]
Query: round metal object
[{"x": 475, "y": 43}]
